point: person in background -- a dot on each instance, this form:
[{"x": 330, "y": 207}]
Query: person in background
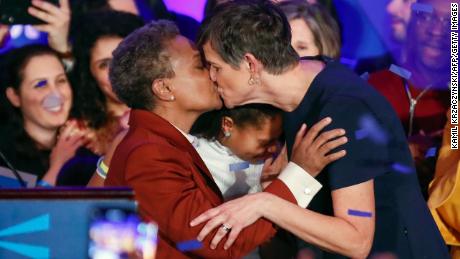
[
  {"x": 444, "y": 192},
  {"x": 95, "y": 102},
  {"x": 38, "y": 138},
  {"x": 96, "y": 106},
  {"x": 421, "y": 95},
  {"x": 399, "y": 12},
  {"x": 314, "y": 31},
  {"x": 148, "y": 10}
]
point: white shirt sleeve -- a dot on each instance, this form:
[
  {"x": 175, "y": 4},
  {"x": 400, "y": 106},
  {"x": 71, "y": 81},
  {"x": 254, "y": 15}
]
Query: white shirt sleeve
[{"x": 302, "y": 185}]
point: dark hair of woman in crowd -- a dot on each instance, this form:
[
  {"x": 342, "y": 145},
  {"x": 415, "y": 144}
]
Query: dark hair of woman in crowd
[{"x": 90, "y": 101}]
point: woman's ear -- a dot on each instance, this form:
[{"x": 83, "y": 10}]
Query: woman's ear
[
  {"x": 13, "y": 97},
  {"x": 253, "y": 64},
  {"x": 163, "y": 90},
  {"x": 254, "y": 67},
  {"x": 227, "y": 124}
]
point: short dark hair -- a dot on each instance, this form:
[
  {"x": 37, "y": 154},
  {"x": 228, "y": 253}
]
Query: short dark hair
[
  {"x": 141, "y": 58},
  {"x": 321, "y": 23},
  {"x": 209, "y": 124},
  {"x": 250, "y": 26}
]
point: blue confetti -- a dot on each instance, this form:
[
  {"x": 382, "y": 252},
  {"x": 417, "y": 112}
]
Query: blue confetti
[
  {"x": 369, "y": 127},
  {"x": 431, "y": 152},
  {"x": 359, "y": 213},
  {"x": 404, "y": 169},
  {"x": 41, "y": 83},
  {"x": 402, "y": 72},
  {"x": 235, "y": 167},
  {"x": 189, "y": 245},
  {"x": 418, "y": 7},
  {"x": 349, "y": 62},
  {"x": 361, "y": 134},
  {"x": 365, "y": 76}
]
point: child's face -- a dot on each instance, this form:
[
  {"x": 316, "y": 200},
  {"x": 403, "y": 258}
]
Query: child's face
[{"x": 256, "y": 143}]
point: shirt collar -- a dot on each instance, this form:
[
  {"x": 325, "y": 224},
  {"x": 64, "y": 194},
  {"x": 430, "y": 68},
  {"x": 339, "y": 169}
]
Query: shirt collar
[{"x": 190, "y": 138}]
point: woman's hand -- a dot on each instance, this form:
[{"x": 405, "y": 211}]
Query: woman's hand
[
  {"x": 57, "y": 20},
  {"x": 311, "y": 152},
  {"x": 69, "y": 140},
  {"x": 235, "y": 215}
]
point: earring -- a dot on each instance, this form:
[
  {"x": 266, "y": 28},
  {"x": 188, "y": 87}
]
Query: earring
[
  {"x": 172, "y": 98},
  {"x": 253, "y": 81},
  {"x": 227, "y": 134}
]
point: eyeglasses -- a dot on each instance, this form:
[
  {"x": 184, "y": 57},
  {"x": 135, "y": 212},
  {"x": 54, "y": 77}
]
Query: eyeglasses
[{"x": 426, "y": 18}]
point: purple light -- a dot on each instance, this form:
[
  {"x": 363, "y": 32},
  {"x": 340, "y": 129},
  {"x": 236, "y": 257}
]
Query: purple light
[{"x": 192, "y": 8}]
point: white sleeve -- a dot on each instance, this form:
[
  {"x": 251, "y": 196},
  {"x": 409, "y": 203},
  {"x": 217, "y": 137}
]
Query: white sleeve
[{"x": 302, "y": 185}]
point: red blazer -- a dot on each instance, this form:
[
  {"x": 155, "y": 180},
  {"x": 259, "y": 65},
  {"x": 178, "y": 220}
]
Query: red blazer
[{"x": 173, "y": 186}]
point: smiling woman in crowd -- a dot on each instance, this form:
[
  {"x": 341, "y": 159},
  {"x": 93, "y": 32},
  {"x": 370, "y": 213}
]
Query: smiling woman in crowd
[{"x": 38, "y": 100}]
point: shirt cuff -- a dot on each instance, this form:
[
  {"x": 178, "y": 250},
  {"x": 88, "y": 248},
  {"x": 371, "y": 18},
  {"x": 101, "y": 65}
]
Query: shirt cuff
[{"x": 302, "y": 185}]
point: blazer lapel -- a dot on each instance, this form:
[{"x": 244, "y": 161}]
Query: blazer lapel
[{"x": 165, "y": 129}]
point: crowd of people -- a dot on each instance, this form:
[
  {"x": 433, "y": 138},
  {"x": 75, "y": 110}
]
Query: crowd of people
[{"x": 244, "y": 132}]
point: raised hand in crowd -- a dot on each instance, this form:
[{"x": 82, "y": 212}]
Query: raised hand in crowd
[
  {"x": 57, "y": 25},
  {"x": 71, "y": 138}
]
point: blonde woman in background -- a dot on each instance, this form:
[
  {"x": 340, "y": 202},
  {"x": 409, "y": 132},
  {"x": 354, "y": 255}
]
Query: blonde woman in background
[{"x": 314, "y": 30}]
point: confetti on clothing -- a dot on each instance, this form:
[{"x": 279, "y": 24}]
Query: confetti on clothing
[
  {"x": 402, "y": 72},
  {"x": 431, "y": 152},
  {"x": 370, "y": 128},
  {"x": 235, "y": 167},
  {"x": 404, "y": 169},
  {"x": 189, "y": 245},
  {"x": 359, "y": 213},
  {"x": 365, "y": 76}
]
